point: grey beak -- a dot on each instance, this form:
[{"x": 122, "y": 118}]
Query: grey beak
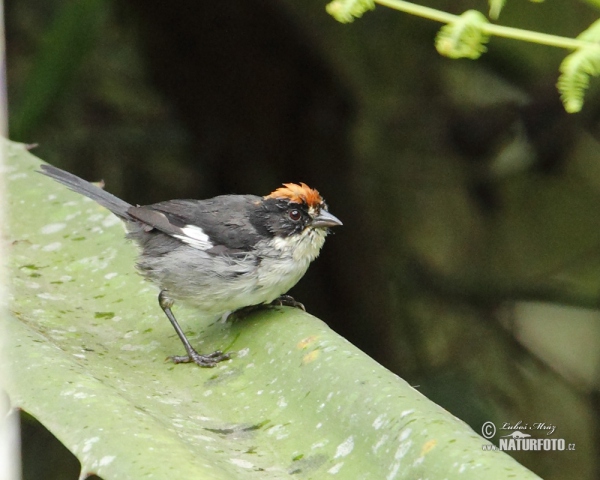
[{"x": 325, "y": 219}]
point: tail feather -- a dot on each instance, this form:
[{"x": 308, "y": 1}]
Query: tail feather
[{"x": 108, "y": 200}]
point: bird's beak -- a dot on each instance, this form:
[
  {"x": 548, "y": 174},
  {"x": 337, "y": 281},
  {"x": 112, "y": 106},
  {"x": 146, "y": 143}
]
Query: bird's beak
[{"x": 324, "y": 220}]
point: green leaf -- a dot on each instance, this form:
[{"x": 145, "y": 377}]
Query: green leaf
[
  {"x": 575, "y": 72},
  {"x": 591, "y": 34},
  {"x": 496, "y": 7},
  {"x": 86, "y": 344},
  {"x": 345, "y": 11},
  {"x": 463, "y": 38},
  {"x": 577, "y": 67}
]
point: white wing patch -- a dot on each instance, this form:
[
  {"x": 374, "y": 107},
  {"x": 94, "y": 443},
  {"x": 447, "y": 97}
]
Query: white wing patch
[{"x": 195, "y": 237}]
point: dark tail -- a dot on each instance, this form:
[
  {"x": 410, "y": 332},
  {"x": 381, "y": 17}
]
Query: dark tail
[{"x": 114, "y": 204}]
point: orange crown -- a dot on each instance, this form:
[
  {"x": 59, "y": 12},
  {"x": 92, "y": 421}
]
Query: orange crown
[{"x": 298, "y": 194}]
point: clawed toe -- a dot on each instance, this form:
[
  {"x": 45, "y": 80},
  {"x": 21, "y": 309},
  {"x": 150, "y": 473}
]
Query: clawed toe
[
  {"x": 288, "y": 301},
  {"x": 209, "y": 360}
]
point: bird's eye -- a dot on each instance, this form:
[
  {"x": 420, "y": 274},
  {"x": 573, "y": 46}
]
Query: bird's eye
[{"x": 295, "y": 215}]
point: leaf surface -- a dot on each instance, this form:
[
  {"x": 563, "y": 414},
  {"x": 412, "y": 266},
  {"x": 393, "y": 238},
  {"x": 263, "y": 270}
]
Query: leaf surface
[{"x": 86, "y": 349}]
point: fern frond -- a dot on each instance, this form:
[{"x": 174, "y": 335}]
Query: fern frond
[
  {"x": 345, "y": 11},
  {"x": 496, "y": 7},
  {"x": 575, "y": 72},
  {"x": 591, "y": 34},
  {"x": 463, "y": 38}
]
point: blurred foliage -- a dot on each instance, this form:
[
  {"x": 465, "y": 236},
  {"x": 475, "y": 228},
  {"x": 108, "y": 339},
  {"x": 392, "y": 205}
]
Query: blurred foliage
[
  {"x": 465, "y": 36},
  {"x": 64, "y": 44},
  {"x": 465, "y": 189}
]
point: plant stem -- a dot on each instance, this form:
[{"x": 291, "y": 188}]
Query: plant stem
[{"x": 497, "y": 30}]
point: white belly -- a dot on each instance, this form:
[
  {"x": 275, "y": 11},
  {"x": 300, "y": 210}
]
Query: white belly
[{"x": 225, "y": 284}]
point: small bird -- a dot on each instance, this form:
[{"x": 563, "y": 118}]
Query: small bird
[{"x": 222, "y": 254}]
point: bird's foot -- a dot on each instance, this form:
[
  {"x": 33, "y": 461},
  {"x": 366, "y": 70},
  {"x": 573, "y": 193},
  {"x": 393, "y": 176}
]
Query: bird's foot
[
  {"x": 287, "y": 301},
  {"x": 209, "y": 360},
  {"x": 282, "y": 301}
]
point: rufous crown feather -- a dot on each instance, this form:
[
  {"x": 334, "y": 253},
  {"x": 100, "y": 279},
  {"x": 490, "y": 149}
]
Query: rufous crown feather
[{"x": 298, "y": 194}]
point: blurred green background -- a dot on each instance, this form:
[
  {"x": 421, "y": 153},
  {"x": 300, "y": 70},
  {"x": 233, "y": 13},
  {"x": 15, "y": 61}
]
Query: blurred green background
[{"x": 469, "y": 260}]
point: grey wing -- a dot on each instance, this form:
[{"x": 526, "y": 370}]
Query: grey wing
[{"x": 219, "y": 225}]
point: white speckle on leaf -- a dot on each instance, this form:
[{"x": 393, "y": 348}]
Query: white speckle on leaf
[
  {"x": 108, "y": 276},
  {"x": 345, "y": 447},
  {"x": 52, "y": 228},
  {"x": 319, "y": 425},
  {"x": 260, "y": 392},
  {"x": 49, "y": 296},
  {"x": 281, "y": 403},
  {"x": 279, "y": 432},
  {"x": 51, "y": 197},
  {"x": 379, "y": 421},
  {"x": 240, "y": 462},
  {"x": 170, "y": 401},
  {"x": 336, "y": 468},
  {"x": 202, "y": 417},
  {"x": 51, "y": 247},
  {"x": 87, "y": 445},
  {"x": 407, "y": 412},
  {"x": 379, "y": 443},
  {"x": 320, "y": 444},
  {"x": 82, "y": 395},
  {"x": 128, "y": 347},
  {"x": 110, "y": 220},
  {"x": 243, "y": 352},
  {"x": 207, "y": 393},
  {"x": 95, "y": 218},
  {"x": 393, "y": 471},
  {"x": 402, "y": 450},
  {"x": 107, "y": 460}
]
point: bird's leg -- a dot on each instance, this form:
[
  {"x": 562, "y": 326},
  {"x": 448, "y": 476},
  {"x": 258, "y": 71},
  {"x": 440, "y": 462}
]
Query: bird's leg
[
  {"x": 208, "y": 360},
  {"x": 287, "y": 301}
]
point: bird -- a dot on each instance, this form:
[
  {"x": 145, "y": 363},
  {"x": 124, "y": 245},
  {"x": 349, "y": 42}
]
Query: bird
[{"x": 220, "y": 255}]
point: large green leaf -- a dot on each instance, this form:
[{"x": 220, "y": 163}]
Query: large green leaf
[{"x": 87, "y": 344}]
